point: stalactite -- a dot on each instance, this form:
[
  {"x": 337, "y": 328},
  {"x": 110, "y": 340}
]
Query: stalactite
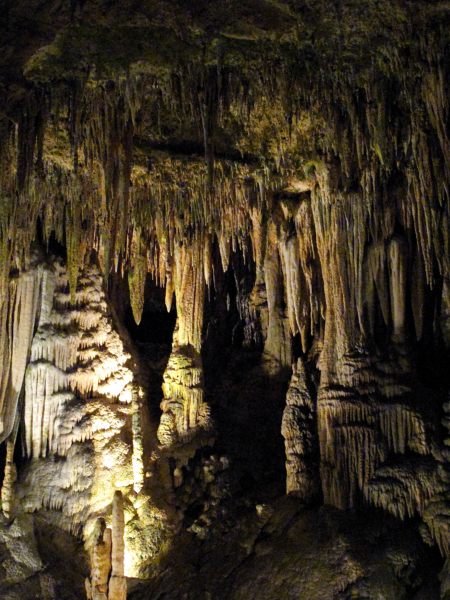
[
  {"x": 436, "y": 516},
  {"x": 398, "y": 272},
  {"x": 327, "y": 220},
  {"x": 376, "y": 281},
  {"x": 77, "y": 244},
  {"x": 417, "y": 294},
  {"x": 278, "y": 341},
  {"x": 403, "y": 429},
  {"x": 224, "y": 246},
  {"x": 137, "y": 276},
  {"x": 207, "y": 259},
  {"x": 350, "y": 448},
  {"x": 405, "y": 489},
  {"x": 23, "y": 311},
  {"x": 309, "y": 260},
  {"x": 258, "y": 234},
  {"x": 189, "y": 291},
  {"x": 295, "y": 288}
]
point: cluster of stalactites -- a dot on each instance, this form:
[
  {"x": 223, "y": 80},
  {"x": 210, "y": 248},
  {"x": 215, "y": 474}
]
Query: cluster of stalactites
[
  {"x": 120, "y": 197},
  {"x": 391, "y": 133},
  {"x": 387, "y": 124},
  {"x": 301, "y": 268},
  {"x": 27, "y": 301}
]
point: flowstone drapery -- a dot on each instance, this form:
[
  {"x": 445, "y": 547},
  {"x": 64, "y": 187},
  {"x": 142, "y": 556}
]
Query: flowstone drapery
[{"x": 83, "y": 422}]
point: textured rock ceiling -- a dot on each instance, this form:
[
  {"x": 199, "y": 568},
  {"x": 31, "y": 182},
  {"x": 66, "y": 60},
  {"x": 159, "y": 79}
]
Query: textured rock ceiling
[{"x": 280, "y": 172}]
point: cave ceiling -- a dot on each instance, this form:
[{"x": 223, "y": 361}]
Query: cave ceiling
[{"x": 188, "y": 114}]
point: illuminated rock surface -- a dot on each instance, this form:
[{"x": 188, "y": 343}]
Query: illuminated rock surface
[{"x": 224, "y": 278}]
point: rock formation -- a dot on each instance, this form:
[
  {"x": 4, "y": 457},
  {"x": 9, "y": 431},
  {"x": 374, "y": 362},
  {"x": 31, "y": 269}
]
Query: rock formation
[
  {"x": 221, "y": 227},
  {"x": 299, "y": 429}
]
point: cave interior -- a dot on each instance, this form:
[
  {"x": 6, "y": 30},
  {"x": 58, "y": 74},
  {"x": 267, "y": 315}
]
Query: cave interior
[{"x": 225, "y": 299}]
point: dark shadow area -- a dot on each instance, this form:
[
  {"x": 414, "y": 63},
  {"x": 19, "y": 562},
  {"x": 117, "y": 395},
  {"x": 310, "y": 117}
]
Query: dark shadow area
[
  {"x": 282, "y": 550},
  {"x": 245, "y": 390},
  {"x": 152, "y": 337},
  {"x": 66, "y": 562}
]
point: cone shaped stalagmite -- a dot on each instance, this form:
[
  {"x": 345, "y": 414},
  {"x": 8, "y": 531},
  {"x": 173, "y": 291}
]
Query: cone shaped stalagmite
[{"x": 299, "y": 429}]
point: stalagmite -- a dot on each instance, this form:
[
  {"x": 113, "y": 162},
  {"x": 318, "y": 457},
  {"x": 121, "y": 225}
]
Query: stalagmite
[
  {"x": 299, "y": 429},
  {"x": 100, "y": 555},
  {"x": 183, "y": 406},
  {"x": 81, "y": 403},
  {"x": 138, "y": 463},
  {"x": 8, "y": 488},
  {"x": 117, "y": 586}
]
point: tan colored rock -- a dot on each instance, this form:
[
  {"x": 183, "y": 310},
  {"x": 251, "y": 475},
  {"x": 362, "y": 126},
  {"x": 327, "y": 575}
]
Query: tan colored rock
[
  {"x": 299, "y": 429},
  {"x": 278, "y": 341},
  {"x": 117, "y": 588},
  {"x": 30, "y": 294},
  {"x": 9, "y": 480},
  {"x": 100, "y": 555}
]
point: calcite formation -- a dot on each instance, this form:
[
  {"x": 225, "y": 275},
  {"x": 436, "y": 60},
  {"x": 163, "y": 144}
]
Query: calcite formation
[
  {"x": 274, "y": 178},
  {"x": 107, "y": 580},
  {"x": 8, "y": 488},
  {"x": 299, "y": 429}
]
